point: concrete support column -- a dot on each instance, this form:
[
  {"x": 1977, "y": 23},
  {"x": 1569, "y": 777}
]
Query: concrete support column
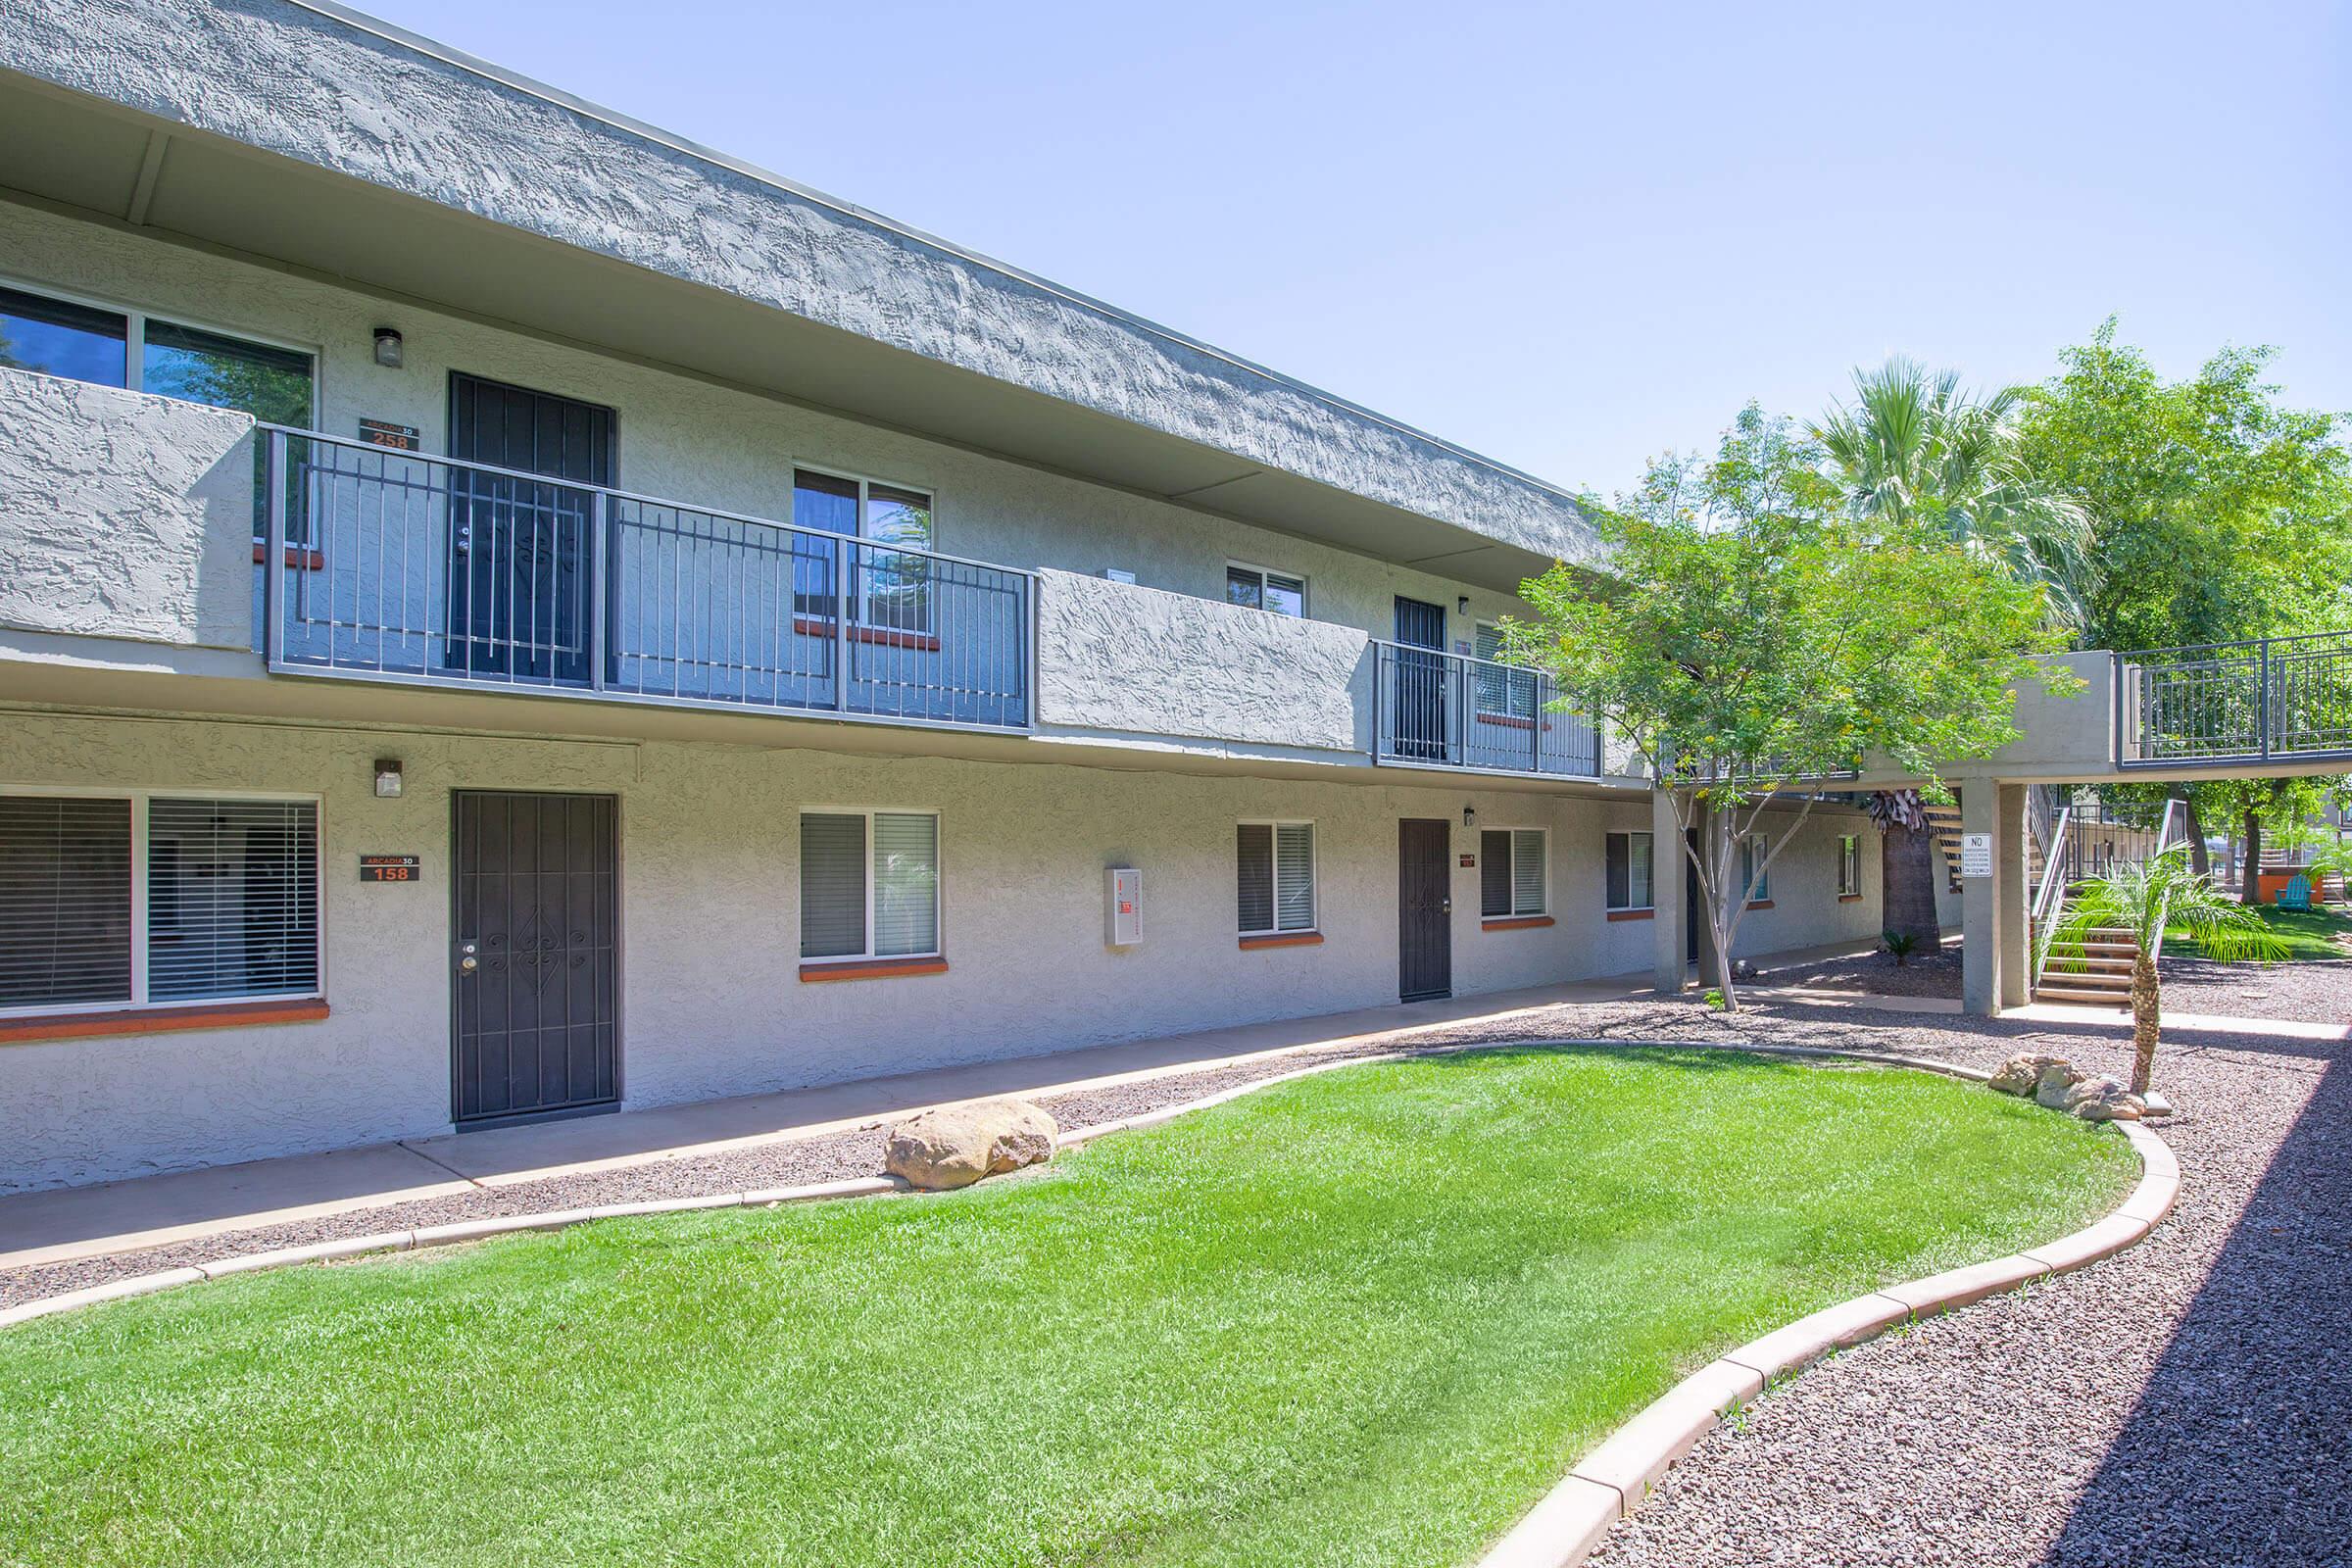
[
  {"x": 2012, "y": 897},
  {"x": 1666, "y": 893},
  {"x": 1979, "y": 902}
]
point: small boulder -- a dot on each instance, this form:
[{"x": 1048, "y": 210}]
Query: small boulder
[
  {"x": 2057, "y": 1078},
  {"x": 2020, "y": 1074},
  {"x": 955, "y": 1146},
  {"x": 2104, "y": 1100}
]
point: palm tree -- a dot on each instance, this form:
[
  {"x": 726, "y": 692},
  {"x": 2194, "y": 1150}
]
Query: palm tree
[
  {"x": 1914, "y": 448},
  {"x": 2144, "y": 897}
]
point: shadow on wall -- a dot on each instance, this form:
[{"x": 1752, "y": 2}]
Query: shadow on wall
[{"x": 2237, "y": 1451}]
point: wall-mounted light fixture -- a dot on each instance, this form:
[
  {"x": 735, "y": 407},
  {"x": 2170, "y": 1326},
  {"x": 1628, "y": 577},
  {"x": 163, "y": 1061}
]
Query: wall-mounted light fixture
[
  {"x": 1469, "y": 816},
  {"x": 387, "y": 347},
  {"x": 387, "y": 778},
  {"x": 1461, "y": 606}
]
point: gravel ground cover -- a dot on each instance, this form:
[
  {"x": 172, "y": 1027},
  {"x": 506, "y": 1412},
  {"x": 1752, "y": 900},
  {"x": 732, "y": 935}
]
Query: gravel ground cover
[
  {"x": 2182, "y": 1403},
  {"x": 1923, "y": 974},
  {"x": 2312, "y": 992}
]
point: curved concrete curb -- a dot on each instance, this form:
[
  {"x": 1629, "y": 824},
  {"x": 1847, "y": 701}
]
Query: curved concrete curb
[{"x": 1615, "y": 1479}]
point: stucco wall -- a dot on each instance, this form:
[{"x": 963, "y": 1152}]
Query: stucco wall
[
  {"x": 312, "y": 87},
  {"x": 689, "y": 440},
  {"x": 711, "y": 1000},
  {"x": 1116, "y": 657},
  {"x": 122, "y": 514}
]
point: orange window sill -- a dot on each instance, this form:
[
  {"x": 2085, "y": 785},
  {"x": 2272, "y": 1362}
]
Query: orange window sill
[
  {"x": 1512, "y": 721},
  {"x": 1283, "y": 939},
  {"x": 1515, "y": 923},
  {"x": 1632, "y": 914},
  {"x": 1849, "y": 898},
  {"x": 158, "y": 1020},
  {"x": 296, "y": 556},
  {"x": 1761, "y": 904},
  {"x": 870, "y": 968},
  {"x": 880, "y": 636}
]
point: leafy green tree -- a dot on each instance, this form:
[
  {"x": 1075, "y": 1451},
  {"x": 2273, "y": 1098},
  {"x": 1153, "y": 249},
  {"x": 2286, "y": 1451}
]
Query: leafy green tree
[
  {"x": 2216, "y": 512},
  {"x": 2144, "y": 897},
  {"x": 1753, "y": 636},
  {"x": 1911, "y": 448}
]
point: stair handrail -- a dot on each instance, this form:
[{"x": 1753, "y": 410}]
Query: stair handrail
[{"x": 2049, "y": 900}]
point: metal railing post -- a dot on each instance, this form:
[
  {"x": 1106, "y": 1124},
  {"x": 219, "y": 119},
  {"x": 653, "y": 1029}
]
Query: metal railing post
[
  {"x": 274, "y": 552},
  {"x": 598, "y": 570},
  {"x": 2264, "y": 710},
  {"x": 840, "y": 623}
]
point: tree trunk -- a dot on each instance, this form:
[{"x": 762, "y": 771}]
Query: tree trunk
[
  {"x": 2198, "y": 860},
  {"x": 1909, "y": 862},
  {"x": 2147, "y": 1016},
  {"x": 2249, "y": 886}
]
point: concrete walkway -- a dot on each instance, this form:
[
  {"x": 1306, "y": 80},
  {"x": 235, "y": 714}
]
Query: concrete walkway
[
  {"x": 2052, "y": 1013},
  {"x": 67, "y": 1223}
]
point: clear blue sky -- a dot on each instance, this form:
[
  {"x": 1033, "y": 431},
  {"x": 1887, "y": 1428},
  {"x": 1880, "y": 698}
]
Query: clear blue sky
[{"x": 1567, "y": 236}]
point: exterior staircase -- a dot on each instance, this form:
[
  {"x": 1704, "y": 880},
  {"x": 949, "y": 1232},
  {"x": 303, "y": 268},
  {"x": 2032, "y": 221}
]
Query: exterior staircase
[{"x": 2095, "y": 972}]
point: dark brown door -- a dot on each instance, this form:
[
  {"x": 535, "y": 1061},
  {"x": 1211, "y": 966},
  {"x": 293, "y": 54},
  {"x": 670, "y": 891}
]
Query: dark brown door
[
  {"x": 520, "y": 555},
  {"x": 1424, "y": 910},
  {"x": 1419, "y": 702},
  {"x": 536, "y": 888}
]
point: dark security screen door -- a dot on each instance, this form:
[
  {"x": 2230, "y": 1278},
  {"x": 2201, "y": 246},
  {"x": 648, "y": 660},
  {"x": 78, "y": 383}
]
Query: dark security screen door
[
  {"x": 535, "y": 885},
  {"x": 1424, "y": 912},
  {"x": 519, "y": 553},
  {"x": 1419, "y": 702}
]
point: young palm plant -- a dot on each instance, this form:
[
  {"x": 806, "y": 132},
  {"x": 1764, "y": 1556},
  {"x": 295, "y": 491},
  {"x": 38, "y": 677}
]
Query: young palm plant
[{"x": 2146, "y": 897}]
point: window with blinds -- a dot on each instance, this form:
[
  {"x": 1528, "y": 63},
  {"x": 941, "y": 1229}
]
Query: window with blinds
[
  {"x": 1275, "y": 877},
  {"x": 1627, "y": 872},
  {"x": 1755, "y": 874},
  {"x": 1849, "y": 866},
  {"x": 230, "y": 910},
  {"x": 1510, "y": 872},
  {"x": 233, "y": 899},
  {"x": 65, "y": 901},
  {"x": 1256, "y": 588},
  {"x": 870, "y": 884}
]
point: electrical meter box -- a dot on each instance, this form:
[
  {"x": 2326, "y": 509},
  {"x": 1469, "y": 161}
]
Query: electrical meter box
[{"x": 1124, "y": 889}]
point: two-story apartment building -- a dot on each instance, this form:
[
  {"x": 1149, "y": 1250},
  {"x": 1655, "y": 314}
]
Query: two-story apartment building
[{"x": 506, "y": 614}]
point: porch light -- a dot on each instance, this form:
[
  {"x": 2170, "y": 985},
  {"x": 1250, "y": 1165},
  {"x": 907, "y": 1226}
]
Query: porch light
[
  {"x": 1469, "y": 816},
  {"x": 387, "y": 778},
  {"x": 387, "y": 347},
  {"x": 1461, "y": 606}
]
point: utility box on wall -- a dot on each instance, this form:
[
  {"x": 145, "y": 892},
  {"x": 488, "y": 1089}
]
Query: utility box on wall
[{"x": 1125, "y": 888}]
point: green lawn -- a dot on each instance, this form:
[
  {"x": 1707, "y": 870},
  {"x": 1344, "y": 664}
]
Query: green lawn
[
  {"x": 1364, "y": 1318},
  {"x": 2309, "y": 934}
]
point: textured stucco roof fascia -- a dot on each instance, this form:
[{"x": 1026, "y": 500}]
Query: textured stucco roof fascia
[{"x": 341, "y": 91}]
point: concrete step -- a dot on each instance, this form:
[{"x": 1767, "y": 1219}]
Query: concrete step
[{"x": 2081, "y": 998}]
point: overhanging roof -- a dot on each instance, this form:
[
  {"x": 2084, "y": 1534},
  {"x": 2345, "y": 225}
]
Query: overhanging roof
[{"x": 313, "y": 137}]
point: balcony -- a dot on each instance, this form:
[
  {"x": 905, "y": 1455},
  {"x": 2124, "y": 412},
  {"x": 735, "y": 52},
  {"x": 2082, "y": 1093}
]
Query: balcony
[
  {"x": 1449, "y": 711},
  {"x": 395, "y": 565},
  {"x": 2280, "y": 699}
]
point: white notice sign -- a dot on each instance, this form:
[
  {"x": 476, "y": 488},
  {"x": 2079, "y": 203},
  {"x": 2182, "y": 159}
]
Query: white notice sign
[{"x": 1976, "y": 854}]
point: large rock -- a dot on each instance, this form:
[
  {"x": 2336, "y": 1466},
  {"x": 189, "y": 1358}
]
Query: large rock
[
  {"x": 2020, "y": 1074},
  {"x": 2104, "y": 1100},
  {"x": 2057, "y": 1080},
  {"x": 955, "y": 1145}
]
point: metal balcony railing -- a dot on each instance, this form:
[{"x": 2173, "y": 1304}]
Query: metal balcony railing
[
  {"x": 398, "y": 566},
  {"x": 1441, "y": 709},
  {"x": 2277, "y": 698}
]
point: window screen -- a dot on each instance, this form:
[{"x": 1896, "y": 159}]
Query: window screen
[
  {"x": 1275, "y": 876},
  {"x": 272, "y": 384},
  {"x": 1510, "y": 872},
  {"x": 64, "y": 900},
  {"x": 832, "y": 886},
  {"x": 1630, "y": 872},
  {"x": 1849, "y": 866},
  {"x": 906, "y": 884},
  {"x": 1752, "y": 872},
  {"x": 233, "y": 899},
  {"x": 1259, "y": 589}
]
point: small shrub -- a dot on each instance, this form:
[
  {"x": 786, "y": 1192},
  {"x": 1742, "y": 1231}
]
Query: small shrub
[
  {"x": 1714, "y": 998},
  {"x": 1902, "y": 944}
]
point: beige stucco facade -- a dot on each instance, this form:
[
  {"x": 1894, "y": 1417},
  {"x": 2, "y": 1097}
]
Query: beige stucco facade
[{"x": 710, "y": 998}]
